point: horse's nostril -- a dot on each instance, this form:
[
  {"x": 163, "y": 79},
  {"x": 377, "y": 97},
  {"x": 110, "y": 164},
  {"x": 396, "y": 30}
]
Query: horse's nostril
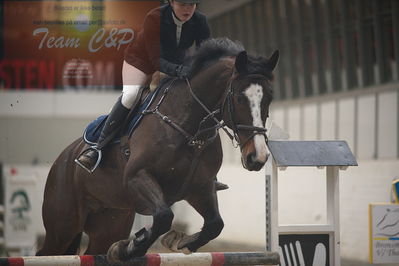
[
  {"x": 251, "y": 158},
  {"x": 252, "y": 163}
]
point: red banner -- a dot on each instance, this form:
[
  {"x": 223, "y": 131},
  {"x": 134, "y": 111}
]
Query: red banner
[{"x": 67, "y": 44}]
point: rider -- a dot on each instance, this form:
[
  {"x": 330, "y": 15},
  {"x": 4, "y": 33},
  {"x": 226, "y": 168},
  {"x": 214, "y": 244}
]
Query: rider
[{"x": 161, "y": 45}]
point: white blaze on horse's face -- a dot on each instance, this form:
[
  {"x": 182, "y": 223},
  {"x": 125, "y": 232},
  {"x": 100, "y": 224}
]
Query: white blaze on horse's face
[{"x": 254, "y": 93}]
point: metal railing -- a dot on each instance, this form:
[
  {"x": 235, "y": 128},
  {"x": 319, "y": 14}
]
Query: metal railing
[{"x": 326, "y": 46}]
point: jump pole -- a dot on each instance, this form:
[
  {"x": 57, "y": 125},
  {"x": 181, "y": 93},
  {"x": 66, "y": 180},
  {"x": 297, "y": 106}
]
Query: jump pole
[
  {"x": 164, "y": 259},
  {"x": 332, "y": 155}
]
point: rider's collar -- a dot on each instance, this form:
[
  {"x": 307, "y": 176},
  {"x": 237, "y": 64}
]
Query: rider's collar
[{"x": 176, "y": 20}]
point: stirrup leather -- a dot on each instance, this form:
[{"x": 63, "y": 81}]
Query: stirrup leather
[{"x": 99, "y": 152}]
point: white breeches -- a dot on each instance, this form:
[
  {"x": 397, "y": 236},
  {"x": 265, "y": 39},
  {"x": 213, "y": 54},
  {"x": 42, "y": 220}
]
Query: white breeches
[{"x": 133, "y": 79}]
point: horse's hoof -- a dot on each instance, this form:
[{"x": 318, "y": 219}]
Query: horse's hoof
[
  {"x": 172, "y": 241},
  {"x": 118, "y": 252},
  {"x": 187, "y": 243},
  {"x": 186, "y": 251}
]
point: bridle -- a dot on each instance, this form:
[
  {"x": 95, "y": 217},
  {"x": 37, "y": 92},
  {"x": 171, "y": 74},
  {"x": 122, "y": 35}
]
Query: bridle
[
  {"x": 195, "y": 140},
  {"x": 231, "y": 113}
]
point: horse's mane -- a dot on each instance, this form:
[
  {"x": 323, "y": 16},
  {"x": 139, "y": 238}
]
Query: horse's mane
[{"x": 212, "y": 50}]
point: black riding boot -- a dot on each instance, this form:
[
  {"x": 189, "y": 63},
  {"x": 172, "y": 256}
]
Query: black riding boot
[{"x": 90, "y": 158}]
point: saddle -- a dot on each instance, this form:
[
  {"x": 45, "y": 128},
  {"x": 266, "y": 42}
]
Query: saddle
[{"x": 93, "y": 130}]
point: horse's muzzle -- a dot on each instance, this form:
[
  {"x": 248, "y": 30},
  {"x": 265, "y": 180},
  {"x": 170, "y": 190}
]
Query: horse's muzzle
[
  {"x": 252, "y": 163},
  {"x": 255, "y": 153}
]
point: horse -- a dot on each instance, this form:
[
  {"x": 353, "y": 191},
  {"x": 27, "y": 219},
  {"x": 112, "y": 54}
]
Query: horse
[{"x": 175, "y": 154}]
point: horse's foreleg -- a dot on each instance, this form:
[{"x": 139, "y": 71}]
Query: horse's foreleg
[
  {"x": 147, "y": 199},
  {"x": 106, "y": 227},
  {"x": 207, "y": 207}
]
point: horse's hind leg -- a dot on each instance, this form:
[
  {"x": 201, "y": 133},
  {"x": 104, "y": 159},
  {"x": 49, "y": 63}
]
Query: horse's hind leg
[
  {"x": 149, "y": 200},
  {"x": 63, "y": 216},
  {"x": 74, "y": 246},
  {"x": 60, "y": 244},
  {"x": 106, "y": 227},
  {"x": 207, "y": 206}
]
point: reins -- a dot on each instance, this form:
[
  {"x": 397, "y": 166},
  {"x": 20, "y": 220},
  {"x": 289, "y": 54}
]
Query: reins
[
  {"x": 219, "y": 124},
  {"x": 192, "y": 140},
  {"x": 195, "y": 140},
  {"x": 165, "y": 118}
]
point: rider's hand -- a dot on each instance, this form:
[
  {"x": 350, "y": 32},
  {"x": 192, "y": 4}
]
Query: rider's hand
[{"x": 182, "y": 71}]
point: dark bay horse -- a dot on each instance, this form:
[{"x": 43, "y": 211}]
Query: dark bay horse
[{"x": 175, "y": 154}]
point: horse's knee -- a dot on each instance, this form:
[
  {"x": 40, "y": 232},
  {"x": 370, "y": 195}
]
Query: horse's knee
[
  {"x": 214, "y": 227},
  {"x": 163, "y": 220}
]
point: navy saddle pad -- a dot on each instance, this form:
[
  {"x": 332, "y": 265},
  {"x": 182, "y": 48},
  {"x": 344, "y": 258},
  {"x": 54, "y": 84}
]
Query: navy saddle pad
[{"x": 93, "y": 130}]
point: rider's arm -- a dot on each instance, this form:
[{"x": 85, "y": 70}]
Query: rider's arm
[
  {"x": 172, "y": 69},
  {"x": 153, "y": 47},
  {"x": 152, "y": 38}
]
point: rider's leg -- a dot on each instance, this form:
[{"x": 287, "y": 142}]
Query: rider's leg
[{"x": 133, "y": 80}]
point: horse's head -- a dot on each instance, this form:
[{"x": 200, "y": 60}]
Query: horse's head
[{"x": 247, "y": 107}]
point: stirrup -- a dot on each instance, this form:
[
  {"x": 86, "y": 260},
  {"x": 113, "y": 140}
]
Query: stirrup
[{"x": 99, "y": 152}]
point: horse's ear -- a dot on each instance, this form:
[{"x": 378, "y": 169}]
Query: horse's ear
[
  {"x": 242, "y": 62},
  {"x": 272, "y": 61}
]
